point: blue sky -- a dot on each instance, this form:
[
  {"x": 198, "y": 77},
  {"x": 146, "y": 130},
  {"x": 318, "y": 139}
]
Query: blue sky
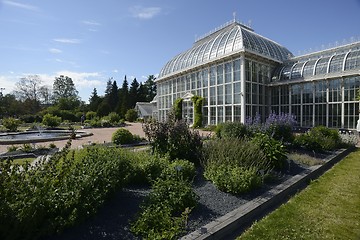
[{"x": 92, "y": 40}]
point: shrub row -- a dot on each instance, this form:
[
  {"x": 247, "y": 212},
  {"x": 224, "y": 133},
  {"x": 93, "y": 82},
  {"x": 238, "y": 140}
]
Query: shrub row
[
  {"x": 59, "y": 193},
  {"x": 319, "y": 138}
]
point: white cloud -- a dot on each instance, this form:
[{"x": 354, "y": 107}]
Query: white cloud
[
  {"x": 82, "y": 79},
  {"x": 67, "y": 40},
  {"x": 21, "y": 5},
  {"x": 144, "y": 12},
  {"x": 91, "y": 23},
  {"x": 115, "y": 71},
  {"x": 55, "y": 50}
]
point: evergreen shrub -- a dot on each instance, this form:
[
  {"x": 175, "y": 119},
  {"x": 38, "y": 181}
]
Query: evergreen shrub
[{"x": 122, "y": 136}]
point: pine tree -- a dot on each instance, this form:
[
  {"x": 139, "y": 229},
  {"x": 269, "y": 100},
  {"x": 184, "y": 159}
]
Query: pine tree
[
  {"x": 94, "y": 101},
  {"x": 133, "y": 93},
  {"x": 124, "y": 96}
]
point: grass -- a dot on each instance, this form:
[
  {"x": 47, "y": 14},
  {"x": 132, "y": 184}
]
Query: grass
[
  {"x": 329, "y": 208},
  {"x": 305, "y": 159}
]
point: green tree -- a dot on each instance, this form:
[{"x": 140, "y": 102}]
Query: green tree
[
  {"x": 150, "y": 87},
  {"x": 114, "y": 96},
  {"x": 94, "y": 101},
  {"x": 131, "y": 115},
  {"x": 133, "y": 93},
  {"x": 124, "y": 96},
  {"x": 64, "y": 87}
]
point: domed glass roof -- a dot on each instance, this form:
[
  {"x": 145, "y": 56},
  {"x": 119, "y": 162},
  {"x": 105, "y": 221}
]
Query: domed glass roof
[{"x": 234, "y": 37}]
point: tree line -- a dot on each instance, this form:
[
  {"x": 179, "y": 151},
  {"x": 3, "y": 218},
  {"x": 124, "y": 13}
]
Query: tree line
[{"x": 31, "y": 99}]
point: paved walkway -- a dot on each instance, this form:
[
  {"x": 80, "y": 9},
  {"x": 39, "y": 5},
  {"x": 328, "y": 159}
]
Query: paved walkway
[{"x": 100, "y": 135}]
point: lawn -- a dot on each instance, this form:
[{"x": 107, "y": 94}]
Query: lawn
[{"x": 329, "y": 208}]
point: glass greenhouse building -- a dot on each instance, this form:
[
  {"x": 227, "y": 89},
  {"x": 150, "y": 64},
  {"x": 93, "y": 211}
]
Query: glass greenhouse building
[{"x": 240, "y": 74}]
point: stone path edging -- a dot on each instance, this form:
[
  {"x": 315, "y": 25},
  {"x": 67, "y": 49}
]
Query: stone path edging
[{"x": 247, "y": 213}]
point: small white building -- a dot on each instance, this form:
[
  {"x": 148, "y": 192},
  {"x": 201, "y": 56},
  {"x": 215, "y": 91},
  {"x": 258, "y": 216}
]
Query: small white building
[{"x": 146, "y": 110}]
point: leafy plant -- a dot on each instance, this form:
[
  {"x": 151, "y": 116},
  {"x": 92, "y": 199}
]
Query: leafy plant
[
  {"x": 198, "y": 117},
  {"x": 11, "y": 124},
  {"x": 274, "y": 150},
  {"x": 319, "y": 138},
  {"x": 90, "y": 115},
  {"x": 239, "y": 152},
  {"x": 147, "y": 167},
  {"x": 179, "y": 169},
  {"x": 178, "y": 108},
  {"x": 51, "y": 120},
  {"x": 157, "y": 222},
  {"x": 279, "y": 126},
  {"x": 165, "y": 213},
  {"x": 61, "y": 192},
  {"x": 234, "y": 165},
  {"x": 174, "y": 138},
  {"x": 122, "y": 136},
  {"x": 131, "y": 115},
  {"x": 234, "y": 179},
  {"x": 232, "y": 130},
  {"x": 114, "y": 118}
]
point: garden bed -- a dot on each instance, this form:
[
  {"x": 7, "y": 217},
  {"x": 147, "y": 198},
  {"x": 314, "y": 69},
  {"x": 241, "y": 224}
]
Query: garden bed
[{"x": 112, "y": 220}]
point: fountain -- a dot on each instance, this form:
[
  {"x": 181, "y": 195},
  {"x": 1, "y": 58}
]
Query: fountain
[{"x": 41, "y": 135}]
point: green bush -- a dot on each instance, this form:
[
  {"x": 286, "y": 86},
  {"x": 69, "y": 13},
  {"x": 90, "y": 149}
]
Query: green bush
[
  {"x": 198, "y": 116},
  {"x": 232, "y": 130},
  {"x": 31, "y": 118},
  {"x": 174, "y": 138},
  {"x": 51, "y": 120},
  {"x": 234, "y": 165},
  {"x": 11, "y": 124},
  {"x": 178, "y": 108},
  {"x": 90, "y": 115},
  {"x": 274, "y": 150},
  {"x": 131, "y": 115},
  {"x": 174, "y": 193},
  {"x": 58, "y": 193},
  {"x": 157, "y": 222},
  {"x": 122, "y": 136},
  {"x": 95, "y": 122},
  {"x": 319, "y": 138},
  {"x": 239, "y": 152},
  {"x": 114, "y": 118},
  {"x": 68, "y": 115},
  {"x": 165, "y": 213},
  {"x": 147, "y": 167},
  {"x": 181, "y": 169},
  {"x": 234, "y": 179}
]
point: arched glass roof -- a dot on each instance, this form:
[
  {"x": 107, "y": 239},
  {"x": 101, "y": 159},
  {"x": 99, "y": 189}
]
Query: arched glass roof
[
  {"x": 232, "y": 38},
  {"x": 332, "y": 62}
]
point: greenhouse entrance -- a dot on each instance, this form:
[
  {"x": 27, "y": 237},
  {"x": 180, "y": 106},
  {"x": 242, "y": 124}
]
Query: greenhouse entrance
[{"x": 188, "y": 109}]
